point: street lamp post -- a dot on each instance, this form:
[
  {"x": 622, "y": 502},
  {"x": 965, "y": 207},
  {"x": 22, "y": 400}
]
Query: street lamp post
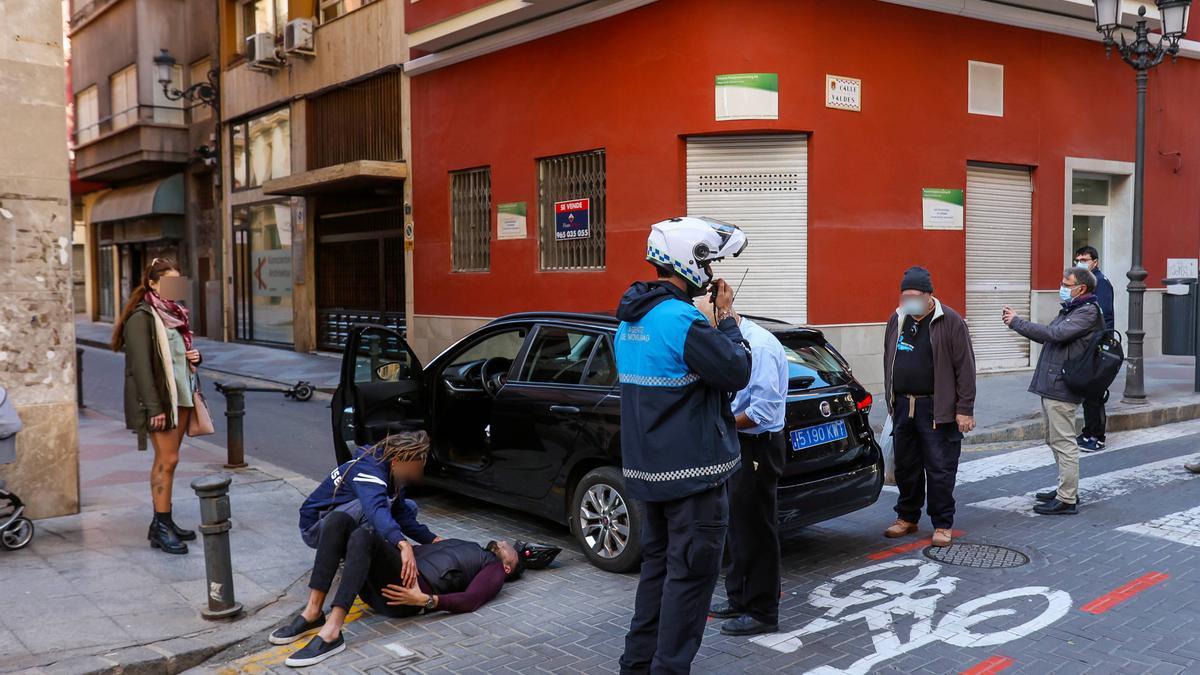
[
  {"x": 1142, "y": 54},
  {"x": 202, "y": 92}
]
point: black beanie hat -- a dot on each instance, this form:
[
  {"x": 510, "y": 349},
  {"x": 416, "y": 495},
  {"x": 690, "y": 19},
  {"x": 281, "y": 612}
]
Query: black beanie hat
[{"x": 916, "y": 278}]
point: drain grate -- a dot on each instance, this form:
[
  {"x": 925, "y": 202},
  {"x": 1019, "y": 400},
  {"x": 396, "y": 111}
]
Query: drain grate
[{"x": 982, "y": 556}]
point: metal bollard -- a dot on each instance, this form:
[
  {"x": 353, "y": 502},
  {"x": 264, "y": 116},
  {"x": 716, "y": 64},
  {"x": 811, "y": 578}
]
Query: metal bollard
[
  {"x": 235, "y": 411},
  {"x": 79, "y": 377},
  {"x": 213, "y": 492}
]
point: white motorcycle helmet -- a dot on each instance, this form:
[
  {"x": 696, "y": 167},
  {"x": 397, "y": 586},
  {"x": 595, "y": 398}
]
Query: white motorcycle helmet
[{"x": 687, "y": 246}]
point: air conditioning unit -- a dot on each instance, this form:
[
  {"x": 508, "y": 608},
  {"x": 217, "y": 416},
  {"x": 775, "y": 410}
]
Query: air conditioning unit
[
  {"x": 260, "y": 52},
  {"x": 298, "y": 37}
]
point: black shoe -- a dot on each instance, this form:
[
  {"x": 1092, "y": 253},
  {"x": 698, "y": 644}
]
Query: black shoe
[
  {"x": 1055, "y": 508},
  {"x": 747, "y": 625},
  {"x": 724, "y": 610},
  {"x": 1080, "y": 439},
  {"x": 184, "y": 535},
  {"x": 161, "y": 536},
  {"x": 296, "y": 629},
  {"x": 1052, "y": 495},
  {"x": 316, "y": 651}
]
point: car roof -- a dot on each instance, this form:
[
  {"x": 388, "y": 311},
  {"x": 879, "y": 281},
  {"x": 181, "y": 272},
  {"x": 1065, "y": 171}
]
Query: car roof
[{"x": 609, "y": 320}]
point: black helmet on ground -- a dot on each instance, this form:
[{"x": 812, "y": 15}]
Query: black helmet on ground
[{"x": 536, "y": 556}]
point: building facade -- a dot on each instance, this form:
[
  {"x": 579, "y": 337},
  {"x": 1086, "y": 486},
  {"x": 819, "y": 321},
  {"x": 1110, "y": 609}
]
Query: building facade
[
  {"x": 151, "y": 157},
  {"x": 314, "y": 180},
  {"x": 37, "y": 334},
  {"x": 850, "y": 139}
]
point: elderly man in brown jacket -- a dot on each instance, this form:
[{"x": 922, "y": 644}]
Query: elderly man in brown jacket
[{"x": 929, "y": 377}]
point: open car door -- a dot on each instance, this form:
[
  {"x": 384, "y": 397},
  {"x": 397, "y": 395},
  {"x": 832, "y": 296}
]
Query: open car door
[{"x": 381, "y": 389}]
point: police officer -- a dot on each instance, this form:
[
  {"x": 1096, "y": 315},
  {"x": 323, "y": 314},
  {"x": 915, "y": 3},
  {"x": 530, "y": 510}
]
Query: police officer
[{"x": 679, "y": 441}]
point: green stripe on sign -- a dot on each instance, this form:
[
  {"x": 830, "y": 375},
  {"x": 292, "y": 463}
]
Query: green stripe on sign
[
  {"x": 514, "y": 208},
  {"x": 943, "y": 195},
  {"x": 764, "y": 81}
]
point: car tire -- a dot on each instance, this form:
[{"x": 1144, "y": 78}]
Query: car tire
[{"x": 606, "y": 522}]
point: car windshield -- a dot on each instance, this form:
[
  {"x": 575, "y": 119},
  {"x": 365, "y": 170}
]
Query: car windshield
[{"x": 811, "y": 364}]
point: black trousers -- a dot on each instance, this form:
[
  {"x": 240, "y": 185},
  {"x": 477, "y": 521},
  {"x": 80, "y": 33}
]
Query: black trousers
[
  {"x": 682, "y": 541},
  {"x": 371, "y": 563},
  {"x": 1094, "y": 418},
  {"x": 752, "y": 582},
  {"x": 926, "y": 462}
]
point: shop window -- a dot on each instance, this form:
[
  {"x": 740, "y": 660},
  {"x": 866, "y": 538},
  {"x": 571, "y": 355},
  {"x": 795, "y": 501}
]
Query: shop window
[
  {"x": 261, "y": 149},
  {"x": 332, "y": 9},
  {"x": 471, "y": 217},
  {"x": 1089, "y": 211},
  {"x": 87, "y": 115},
  {"x": 262, "y": 279},
  {"x": 167, "y": 111},
  {"x": 198, "y": 72},
  {"x": 985, "y": 88},
  {"x": 569, "y": 180},
  {"x": 124, "y": 97}
]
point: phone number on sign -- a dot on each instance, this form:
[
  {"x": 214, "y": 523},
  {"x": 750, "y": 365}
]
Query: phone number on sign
[{"x": 572, "y": 234}]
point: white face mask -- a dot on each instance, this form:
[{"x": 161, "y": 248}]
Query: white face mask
[{"x": 913, "y": 306}]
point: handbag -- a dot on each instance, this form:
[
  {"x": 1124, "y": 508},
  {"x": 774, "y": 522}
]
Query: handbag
[{"x": 200, "y": 423}]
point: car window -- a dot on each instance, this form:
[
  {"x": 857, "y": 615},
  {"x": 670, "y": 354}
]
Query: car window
[
  {"x": 382, "y": 357},
  {"x": 558, "y": 355},
  {"x": 811, "y": 364},
  {"x": 602, "y": 371},
  {"x": 503, "y": 345}
]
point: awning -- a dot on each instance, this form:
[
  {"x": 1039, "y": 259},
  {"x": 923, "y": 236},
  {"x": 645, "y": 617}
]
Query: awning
[
  {"x": 359, "y": 175},
  {"x": 163, "y": 197}
]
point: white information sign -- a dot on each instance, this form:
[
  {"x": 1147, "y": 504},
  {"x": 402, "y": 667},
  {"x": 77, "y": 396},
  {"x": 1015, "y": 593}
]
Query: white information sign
[
  {"x": 747, "y": 96},
  {"x": 942, "y": 208},
  {"x": 843, "y": 93},
  {"x": 1182, "y": 268},
  {"x": 510, "y": 220}
]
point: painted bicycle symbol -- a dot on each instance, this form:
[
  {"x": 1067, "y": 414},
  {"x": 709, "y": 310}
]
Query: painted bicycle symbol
[{"x": 884, "y": 600}]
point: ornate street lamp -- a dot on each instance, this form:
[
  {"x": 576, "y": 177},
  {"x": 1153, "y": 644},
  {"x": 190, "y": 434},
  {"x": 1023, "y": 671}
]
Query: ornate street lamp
[
  {"x": 1142, "y": 54},
  {"x": 203, "y": 92}
]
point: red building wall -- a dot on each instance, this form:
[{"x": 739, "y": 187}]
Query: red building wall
[{"x": 639, "y": 83}]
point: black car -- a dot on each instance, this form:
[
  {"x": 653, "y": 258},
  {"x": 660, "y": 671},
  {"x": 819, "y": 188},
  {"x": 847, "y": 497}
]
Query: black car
[{"x": 525, "y": 412}]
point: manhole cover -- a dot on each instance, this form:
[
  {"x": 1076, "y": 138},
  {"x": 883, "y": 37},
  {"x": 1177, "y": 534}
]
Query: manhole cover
[{"x": 977, "y": 555}]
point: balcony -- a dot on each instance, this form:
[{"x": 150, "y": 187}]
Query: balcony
[{"x": 142, "y": 141}]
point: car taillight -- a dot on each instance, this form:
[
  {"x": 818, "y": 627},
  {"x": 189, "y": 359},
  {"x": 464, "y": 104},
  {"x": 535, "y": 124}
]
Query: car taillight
[{"x": 865, "y": 403}]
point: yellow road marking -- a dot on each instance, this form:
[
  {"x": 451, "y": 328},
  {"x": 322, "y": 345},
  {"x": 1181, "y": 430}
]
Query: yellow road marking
[{"x": 261, "y": 662}]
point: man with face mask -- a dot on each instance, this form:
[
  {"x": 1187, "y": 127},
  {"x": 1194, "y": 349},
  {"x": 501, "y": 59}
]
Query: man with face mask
[
  {"x": 1094, "y": 418},
  {"x": 1063, "y": 339},
  {"x": 929, "y": 381}
]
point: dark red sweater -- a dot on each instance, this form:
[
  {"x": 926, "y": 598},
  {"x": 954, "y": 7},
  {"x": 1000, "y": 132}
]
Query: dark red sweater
[{"x": 485, "y": 586}]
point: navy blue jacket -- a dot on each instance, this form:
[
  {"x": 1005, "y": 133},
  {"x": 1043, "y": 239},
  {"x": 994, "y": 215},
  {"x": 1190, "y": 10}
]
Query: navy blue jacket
[
  {"x": 369, "y": 480},
  {"x": 677, "y": 373},
  {"x": 1104, "y": 296}
]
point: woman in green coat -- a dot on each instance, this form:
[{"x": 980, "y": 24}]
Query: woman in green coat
[{"x": 156, "y": 336}]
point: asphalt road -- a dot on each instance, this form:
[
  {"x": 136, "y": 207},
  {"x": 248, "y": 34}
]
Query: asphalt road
[{"x": 292, "y": 434}]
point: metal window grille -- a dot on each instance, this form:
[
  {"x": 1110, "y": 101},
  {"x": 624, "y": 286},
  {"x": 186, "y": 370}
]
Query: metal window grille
[
  {"x": 471, "y": 210},
  {"x": 566, "y": 177}
]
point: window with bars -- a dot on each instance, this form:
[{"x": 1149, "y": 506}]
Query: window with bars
[
  {"x": 471, "y": 217},
  {"x": 573, "y": 177}
]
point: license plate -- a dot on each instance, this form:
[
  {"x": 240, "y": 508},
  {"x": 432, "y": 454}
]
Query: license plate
[{"x": 818, "y": 435}]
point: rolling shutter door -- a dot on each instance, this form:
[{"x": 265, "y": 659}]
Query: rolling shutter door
[
  {"x": 759, "y": 183},
  {"x": 999, "y": 212}
]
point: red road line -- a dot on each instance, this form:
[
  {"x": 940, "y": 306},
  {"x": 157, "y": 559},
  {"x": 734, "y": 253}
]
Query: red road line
[
  {"x": 989, "y": 666},
  {"x": 911, "y": 546},
  {"x": 1109, "y": 600}
]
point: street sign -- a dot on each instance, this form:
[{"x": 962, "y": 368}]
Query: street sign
[
  {"x": 572, "y": 219},
  {"x": 1181, "y": 268}
]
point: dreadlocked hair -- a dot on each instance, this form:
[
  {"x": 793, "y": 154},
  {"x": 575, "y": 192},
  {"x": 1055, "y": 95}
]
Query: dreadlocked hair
[{"x": 405, "y": 446}]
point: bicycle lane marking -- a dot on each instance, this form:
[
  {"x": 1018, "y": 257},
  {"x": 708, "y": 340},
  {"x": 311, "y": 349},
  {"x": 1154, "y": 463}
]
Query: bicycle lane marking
[
  {"x": 989, "y": 666},
  {"x": 911, "y": 546},
  {"x": 1116, "y": 597}
]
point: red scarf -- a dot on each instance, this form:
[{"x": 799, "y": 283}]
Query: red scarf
[{"x": 173, "y": 315}]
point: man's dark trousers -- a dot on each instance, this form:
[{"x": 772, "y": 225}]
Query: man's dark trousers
[
  {"x": 682, "y": 542},
  {"x": 752, "y": 582},
  {"x": 926, "y": 461},
  {"x": 1094, "y": 418}
]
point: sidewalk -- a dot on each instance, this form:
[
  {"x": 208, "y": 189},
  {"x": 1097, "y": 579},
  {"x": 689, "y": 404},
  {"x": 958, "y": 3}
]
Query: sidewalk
[
  {"x": 280, "y": 366},
  {"x": 130, "y": 606}
]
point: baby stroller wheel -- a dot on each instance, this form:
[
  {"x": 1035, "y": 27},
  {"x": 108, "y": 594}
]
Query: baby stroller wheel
[{"x": 17, "y": 535}]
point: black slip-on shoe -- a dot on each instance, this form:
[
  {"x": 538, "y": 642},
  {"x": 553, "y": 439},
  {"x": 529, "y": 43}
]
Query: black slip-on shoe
[
  {"x": 296, "y": 629},
  {"x": 747, "y": 625},
  {"x": 723, "y": 610},
  {"x": 316, "y": 651},
  {"x": 1055, "y": 508},
  {"x": 1052, "y": 495}
]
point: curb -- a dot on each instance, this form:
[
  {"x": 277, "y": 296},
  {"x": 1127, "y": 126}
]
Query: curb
[{"x": 1121, "y": 420}]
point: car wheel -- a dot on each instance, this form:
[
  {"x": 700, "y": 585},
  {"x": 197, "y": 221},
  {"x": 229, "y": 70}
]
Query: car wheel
[{"x": 606, "y": 522}]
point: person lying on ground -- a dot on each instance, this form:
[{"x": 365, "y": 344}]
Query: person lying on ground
[
  {"x": 453, "y": 575},
  {"x": 370, "y": 489}
]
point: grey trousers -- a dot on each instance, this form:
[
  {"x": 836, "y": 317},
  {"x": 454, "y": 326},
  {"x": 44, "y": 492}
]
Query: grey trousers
[{"x": 1060, "y": 436}]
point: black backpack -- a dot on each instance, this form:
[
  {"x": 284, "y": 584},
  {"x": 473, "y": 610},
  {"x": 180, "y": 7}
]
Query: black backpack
[{"x": 1091, "y": 373}]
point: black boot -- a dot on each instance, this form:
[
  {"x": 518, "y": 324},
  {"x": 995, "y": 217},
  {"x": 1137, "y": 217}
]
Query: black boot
[
  {"x": 162, "y": 536},
  {"x": 184, "y": 535}
]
